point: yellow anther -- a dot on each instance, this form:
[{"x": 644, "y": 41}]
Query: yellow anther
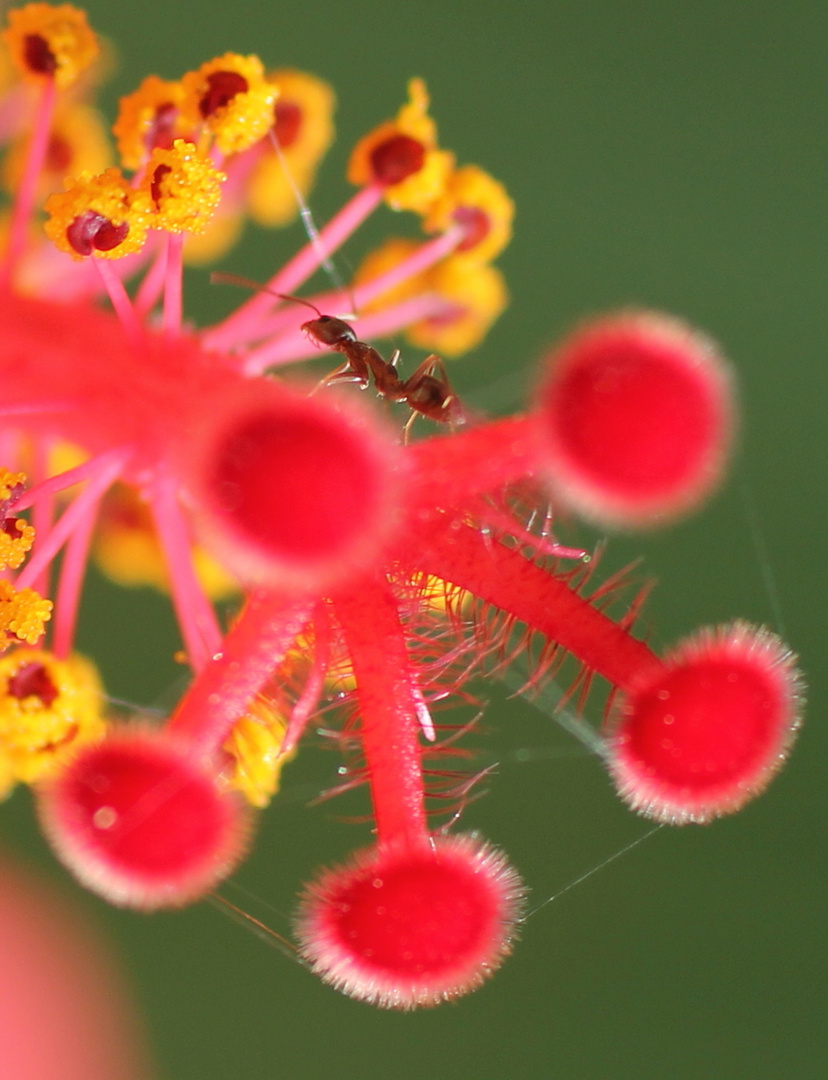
[
  {"x": 149, "y": 117},
  {"x": 402, "y": 155},
  {"x": 98, "y": 215},
  {"x": 231, "y": 98},
  {"x": 477, "y": 295},
  {"x": 183, "y": 187},
  {"x": 78, "y": 142},
  {"x": 480, "y": 204},
  {"x": 23, "y": 614},
  {"x": 127, "y": 549},
  {"x": 48, "y": 42},
  {"x": 254, "y": 747},
  {"x": 474, "y": 293},
  {"x": 304, "y": 129},
  {"x": 47, "y": 708}
]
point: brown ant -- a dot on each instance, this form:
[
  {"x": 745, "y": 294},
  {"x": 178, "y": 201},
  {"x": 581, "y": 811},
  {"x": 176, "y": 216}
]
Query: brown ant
[{"x": 427, "y": 391}]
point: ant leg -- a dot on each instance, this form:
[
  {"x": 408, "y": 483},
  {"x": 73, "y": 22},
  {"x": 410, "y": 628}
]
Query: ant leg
[
  {"x": 343, "y": 374},
  {"x": 408, "y": 425}
]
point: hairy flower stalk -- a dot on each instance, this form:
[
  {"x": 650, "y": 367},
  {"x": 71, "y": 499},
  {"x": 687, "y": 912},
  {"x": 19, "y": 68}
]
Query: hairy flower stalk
[{"x": 395, "y": 571}]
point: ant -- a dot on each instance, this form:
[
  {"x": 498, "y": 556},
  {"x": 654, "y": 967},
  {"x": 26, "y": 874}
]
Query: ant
[{"x": 427, "y": 391}]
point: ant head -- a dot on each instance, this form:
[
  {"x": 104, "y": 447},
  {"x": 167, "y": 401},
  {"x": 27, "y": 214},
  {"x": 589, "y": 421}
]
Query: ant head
[{"x": 328, "y": 330}]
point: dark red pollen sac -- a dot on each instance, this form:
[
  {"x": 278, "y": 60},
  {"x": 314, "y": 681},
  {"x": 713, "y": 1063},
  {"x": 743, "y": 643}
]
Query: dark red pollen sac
[
  {"x": 140, "y": 823},
  {"x": 156, "y": 192},
  {"x": 287, "y": 122},
  {"x": 476, "y": 224},
  {"x": 91, "y": 231},
  {"x": 161, "y": 132},
  {"x": 222, "y": 87},
  {"x": 11, "y": 526},
  {"x": 32, "y": 680},
  {"x": 397, "y": 158},
  {"x": 39, "y": 57},
  {"x": 59, "y": 154}
]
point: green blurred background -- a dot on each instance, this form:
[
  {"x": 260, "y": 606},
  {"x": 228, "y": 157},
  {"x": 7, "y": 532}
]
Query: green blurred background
[{"x": 668, "y": 154}]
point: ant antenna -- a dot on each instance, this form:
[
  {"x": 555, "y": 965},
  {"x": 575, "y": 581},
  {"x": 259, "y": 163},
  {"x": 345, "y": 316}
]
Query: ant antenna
[{"x": 220, "y": 277}]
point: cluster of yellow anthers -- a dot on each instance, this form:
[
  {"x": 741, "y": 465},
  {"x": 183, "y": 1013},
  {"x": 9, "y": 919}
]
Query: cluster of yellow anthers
[
  {"x": 197, "y": 157},
  {"x": 47, "y": 705},
  {"x": 50, "y": 705},
  {"x": 446, "y": 197}
]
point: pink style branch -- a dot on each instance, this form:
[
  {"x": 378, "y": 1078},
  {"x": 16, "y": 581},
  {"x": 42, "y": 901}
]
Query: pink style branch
[{"x": 372, "y": 571}]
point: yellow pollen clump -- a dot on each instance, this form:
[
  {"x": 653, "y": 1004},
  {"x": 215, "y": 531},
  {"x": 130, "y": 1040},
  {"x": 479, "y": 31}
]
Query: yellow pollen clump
[
  {"x": 16, "y": 534},
  {"x": 184, "y": 188},
  {"x": 47, "y": 708},
  {"x": 254, "y": 747},
  {"x": 475, "y": 199},
  {"x": 23, "y": 614},
  {"x": 231, "y": 98},
  {"x": 98, "y": 215},
  {"x": 50, "y": 42},
  {"x": 148, "y": 117},
  {"x": 418, "y": 190},
  {"x": 16, "y": 539}
]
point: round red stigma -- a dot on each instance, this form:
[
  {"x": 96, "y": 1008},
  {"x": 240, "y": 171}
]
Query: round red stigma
[
  {"x": 634, "y": 418},
  {"x": 222, "y": 87},
  {"x": 703, "y": 732},
  {"x": 403, "y": 926},
  {"x": 142, "y": 824},
  {"x": 397, "y": 158},
  {"x": 91, "y": 231},
  {"x": 294, "y": 490}
]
